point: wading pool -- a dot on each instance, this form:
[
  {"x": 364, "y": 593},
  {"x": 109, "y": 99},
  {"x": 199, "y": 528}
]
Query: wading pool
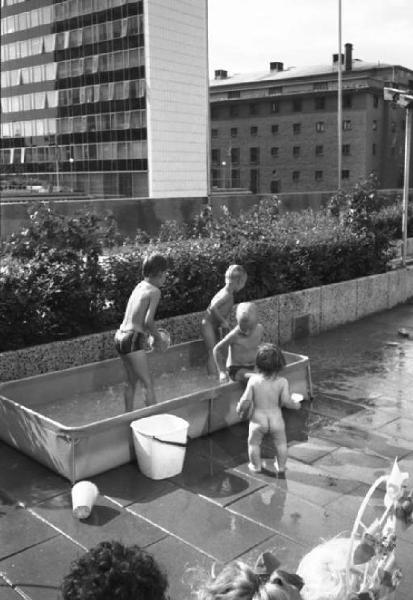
[{"x": 73, "y": 421}]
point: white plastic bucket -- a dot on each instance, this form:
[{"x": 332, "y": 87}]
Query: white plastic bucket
[
  {"x": 160, "y": 445},
  {"x": 84, "y": 495}
]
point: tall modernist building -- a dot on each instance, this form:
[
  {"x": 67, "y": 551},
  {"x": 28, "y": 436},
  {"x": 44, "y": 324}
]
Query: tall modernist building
[
  {"x": 107, "y": 97},
  {"x": 276, "y": 131}
]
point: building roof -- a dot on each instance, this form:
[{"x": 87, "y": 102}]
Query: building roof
[{"x": 295, "y": 72}]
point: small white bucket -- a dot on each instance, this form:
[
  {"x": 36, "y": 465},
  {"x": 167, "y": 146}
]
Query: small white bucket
[
  {"x": 84, "y": 495},
  {"x": 160, "y": 445}
]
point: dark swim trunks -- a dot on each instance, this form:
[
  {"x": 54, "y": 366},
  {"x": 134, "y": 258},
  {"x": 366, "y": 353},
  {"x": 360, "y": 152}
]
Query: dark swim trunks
[
  {"x": 233, "y": 370},
  {"x": 129, "y": 341}
]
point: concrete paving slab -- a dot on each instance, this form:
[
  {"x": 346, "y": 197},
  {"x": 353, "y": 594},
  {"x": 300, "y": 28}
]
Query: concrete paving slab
[
  {"x": 390, "y": 446},
  {"x": 311, "y": 450},
  {"x": 106, "y": 522},
  {"x": 203, "y": 476},
  {"x": 354, "y": 465},
  {"x": 399, "y": 428},
  {"x": 209, "y": 528},
  {"x": 126, "y": 485},
  {"x": 306, "y": 481},
  {"x": 39, "y": 571},
  {"x": 185, "y": 566},
  {"x": 288, "y": 514},
  {"x": 288, "y": 552},
  {"x": 19, "y": 530},
  {"x": 369, "y": 418},
  {"x": 26, "y": 480}
]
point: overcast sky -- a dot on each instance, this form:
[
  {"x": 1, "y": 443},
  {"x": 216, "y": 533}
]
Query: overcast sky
[{"x": 245, "y": 35}]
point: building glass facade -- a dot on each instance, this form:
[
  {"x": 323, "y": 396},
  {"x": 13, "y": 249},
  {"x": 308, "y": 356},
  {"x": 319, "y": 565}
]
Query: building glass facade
[{"x": 73, "y": 105}]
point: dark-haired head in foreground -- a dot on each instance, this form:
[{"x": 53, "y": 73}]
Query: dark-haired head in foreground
[{"x": 112, "y": 571}]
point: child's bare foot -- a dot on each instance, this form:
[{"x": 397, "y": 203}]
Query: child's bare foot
[{"x": 253, "y": 468}]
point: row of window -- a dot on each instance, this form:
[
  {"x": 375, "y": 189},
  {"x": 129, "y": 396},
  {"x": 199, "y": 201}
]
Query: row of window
[
  {"x": 59, "y": 12},
  {"x": 112, "y": 61},
  {"x": 219, "y": 178},
  {"x": 121, "y": 90},
  {"x": 105, "y": 151},
  {"x": 296, "y": 128},
  {"x": 256, "y": 108},
  {"x": 295, "y": 105},
  {"x": 134, "y": 119},
  {"x": 74, "y": 38},
  {"x": 254, "y": 153}
]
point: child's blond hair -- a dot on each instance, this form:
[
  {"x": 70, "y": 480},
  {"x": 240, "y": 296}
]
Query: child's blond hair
[
  {"x": 235, "y": 273},
  {"x": 245, "y": 310}
]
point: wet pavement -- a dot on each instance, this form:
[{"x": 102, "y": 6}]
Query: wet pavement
[{"x": 216, "y": 510}]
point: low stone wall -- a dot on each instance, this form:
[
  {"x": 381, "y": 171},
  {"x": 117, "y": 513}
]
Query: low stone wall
[{"x": 285, "y": 317}]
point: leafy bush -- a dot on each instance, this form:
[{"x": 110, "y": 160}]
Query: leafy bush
[{"x": 55, "y": 283}]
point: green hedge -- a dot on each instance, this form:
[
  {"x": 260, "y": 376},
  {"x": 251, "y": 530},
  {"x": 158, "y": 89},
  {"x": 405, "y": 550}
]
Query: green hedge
[{"x": 54, "y": 283}]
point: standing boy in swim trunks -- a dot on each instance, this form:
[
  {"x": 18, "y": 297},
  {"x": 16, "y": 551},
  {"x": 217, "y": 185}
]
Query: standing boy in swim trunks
[
  {"x": 240, "y": 344},
  {"x": 219, "y": 310},
  {"x": 265, "y": 394},
  {"x": 130, "y": 338}
]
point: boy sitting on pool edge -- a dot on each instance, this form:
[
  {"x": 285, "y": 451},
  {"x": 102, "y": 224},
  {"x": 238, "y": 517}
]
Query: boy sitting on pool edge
[{"x": 240, "y": 345}]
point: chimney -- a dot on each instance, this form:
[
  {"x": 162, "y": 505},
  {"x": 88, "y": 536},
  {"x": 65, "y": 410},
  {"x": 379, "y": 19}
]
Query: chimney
[
  {"x": 335, "y": 58},
  {"x": 276, "y": 66},
  {"x": 348, "y": 56},
  {"x": 221, "y": 74}
]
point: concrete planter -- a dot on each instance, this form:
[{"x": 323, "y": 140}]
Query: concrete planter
[{"x": 286, "y": 316}]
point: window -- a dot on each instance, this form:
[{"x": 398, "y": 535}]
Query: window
[
  {"x": 375, "y": 101},
  {"x": 253, "y": 109},
  {"x": 235, "y": 156},
  {"x": 320, "y": 103},
  {"x": 275, "y": 151},
  {"x": 374, "y": 125},
  {"x": 214, "y": 113},
  {"x": 215, "y": 156},
  {"x": 274, "y": 129},
  {"x": 234, "y": 94},
  {"x": 393, "y": 126},
  {"x": 254, "y": 155},
  {"x": 275, "y": 90},
  {"x": 254, "y": 180},
  {"x": 253, "y": 130},
  {"x": 234, "y": 131},
  {"x": 319, "y": 150},
  {"x": 345, "y": 174},
  {"x": 233, "y": 110},
  {"x": 393, "y": 151},
  {"x": 296, "y": 175},
  {"x": 297, "y": 105},
  {"x": 373, "y": 149},
  {"x": 319, "y": 126},
  {"x": 318, "y": 175},
  {"x": 214, "y": 133},
  {"x": 275, "y": 186},
  {"x": 346, "y": 149},
  {"x": 296, "y": 151},
  {"x": 275, "y": 107},
  {"x": 347, "y": 101},
  {"x": 296, "y": 128},
  {"x": 346, "y": 124},
  {"x": 235, "y": 178},
  {"x": 215, "y": 177}
]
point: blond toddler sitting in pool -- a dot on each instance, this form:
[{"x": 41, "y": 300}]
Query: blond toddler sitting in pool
[{"x": 235, "y": 355}]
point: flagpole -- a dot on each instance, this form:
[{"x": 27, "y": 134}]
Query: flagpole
[{"x": 339, "y": 102}]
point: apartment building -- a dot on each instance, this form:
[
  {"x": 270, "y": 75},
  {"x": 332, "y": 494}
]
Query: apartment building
[
  {"x": 106, "y": 97},
  {"x": 276, "y": 131}
]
